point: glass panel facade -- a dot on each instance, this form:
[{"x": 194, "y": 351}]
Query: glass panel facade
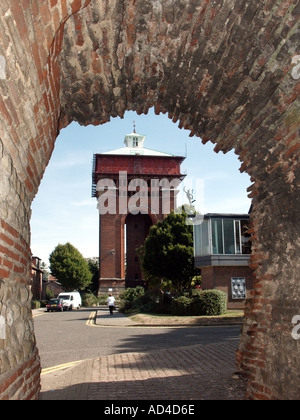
[
  {"x": 217, "y": 236},
  {"x": 222, "y": 237},
  {"x": 237, "y": 229},
  {"x": 245, "y": 237},
  {"x": 201, "y": 239},
  {"x": 228, "y": 236}
]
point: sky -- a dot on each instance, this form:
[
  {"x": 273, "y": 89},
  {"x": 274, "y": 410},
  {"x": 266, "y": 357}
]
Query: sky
[{"x": 64, "y": 210}]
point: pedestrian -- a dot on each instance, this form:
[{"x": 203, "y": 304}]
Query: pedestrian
[{"x": 111, "y": 303}]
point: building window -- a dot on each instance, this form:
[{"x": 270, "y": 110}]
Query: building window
[
  {"x": 222, "y": 236},
  {"x": 202, "y": 238},
  {"x": 135, "y": 142},
  {"x": 227, "y": 237},
  {"x": 217, "y": 236}
]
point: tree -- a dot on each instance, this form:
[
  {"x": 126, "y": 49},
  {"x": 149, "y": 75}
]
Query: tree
[
  {"x": 168, "y": 252},
  {"x": 69, "y": 266},
  {"x": 45, "y": 271},
  {"x": 94, "y": 269}
]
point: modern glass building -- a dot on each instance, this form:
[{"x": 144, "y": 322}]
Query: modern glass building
[{"x": 222, "y": 248}]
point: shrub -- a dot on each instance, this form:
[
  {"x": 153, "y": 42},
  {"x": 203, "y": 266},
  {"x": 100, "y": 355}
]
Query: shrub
[
  {"x": 132, "y": 298},
  {"x": 181, "y": 306},
  {"x": 89, "y": 299},
  {"x": 43, "y": 303},
  {"x": 200, "y": 303},
  {"x": 35, "y": 304},
  {"x": 49, "y": 293},
  {"x": 102, "y": 299},
  {"x": 209, "y": 302}
]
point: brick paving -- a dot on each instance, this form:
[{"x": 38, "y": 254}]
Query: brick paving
[
  {"x": 199, "y": 372},
  {"x": 202, "y": 372}
]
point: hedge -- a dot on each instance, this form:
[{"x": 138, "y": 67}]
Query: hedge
[
  {"x": 200, "y": 303},
  {"x": 209, "y": 303}
]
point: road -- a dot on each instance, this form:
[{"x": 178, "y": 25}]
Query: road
[{"x": 64, "y": 337}]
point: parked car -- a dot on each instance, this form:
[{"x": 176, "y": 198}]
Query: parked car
[{"x": 55, "y": 304}]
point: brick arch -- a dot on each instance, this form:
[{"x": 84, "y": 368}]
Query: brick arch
[{"x": 228, "y": 71}]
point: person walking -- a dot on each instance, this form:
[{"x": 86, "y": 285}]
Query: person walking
[{"x": 111, "y": 303}]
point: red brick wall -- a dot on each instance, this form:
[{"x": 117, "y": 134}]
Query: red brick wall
[
  {"x": 31, "y": 34},
  {"x": 146, "y": 165},
  {"x": 220, "y": 278}
]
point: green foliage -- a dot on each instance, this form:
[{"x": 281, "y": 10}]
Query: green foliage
[
  {"x": 196, "y": 281},
  {"x": 200, "y": 303},
  {"x": 181, "y": 306},
  {"x": 102, "y": 299},
  {"x": 45, "y": 271},
  {"x": 93, "y": 264},
  {"x": 49, "y": 293},
  {"x": 132, "y": 298},
  {"x": 168, "y": 253},
  {"x": 89, "y": 299},
  {"x": 210, "y": 302},
  {"x": 70, "y": 268},
  {"x": 35, "y": 304}
]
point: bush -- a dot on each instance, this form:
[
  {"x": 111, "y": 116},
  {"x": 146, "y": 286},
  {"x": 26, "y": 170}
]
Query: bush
[
  {"x": 102, "y": 299},
  {"x": 35, "y": 304},
  {"x": 89, "y": 299},
  {"x": 49, "y": 293},
  {"x": 209, "y": 302},
  {"x": 181, "y": 306},
  {"x": 200, "y": 303},
  {"x": 132, "y": 298}
]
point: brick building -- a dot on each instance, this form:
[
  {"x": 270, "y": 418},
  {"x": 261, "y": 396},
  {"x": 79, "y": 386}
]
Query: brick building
[
  {"x": 135, "y": 188},
  {"x": 37, "y": 287},
  {"x": 222, "y": 250}
]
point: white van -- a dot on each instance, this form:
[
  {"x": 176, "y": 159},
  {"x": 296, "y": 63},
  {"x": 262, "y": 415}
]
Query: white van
[{"x": 71, "y": 300}]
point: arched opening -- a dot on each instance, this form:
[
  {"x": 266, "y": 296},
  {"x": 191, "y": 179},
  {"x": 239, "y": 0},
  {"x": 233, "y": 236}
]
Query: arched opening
[
  {"x": 137, "y": 229},
  {"x": 64, "y": 196}
]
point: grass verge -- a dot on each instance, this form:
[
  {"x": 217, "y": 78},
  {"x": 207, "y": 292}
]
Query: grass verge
[{"x": 154, "y": 319}]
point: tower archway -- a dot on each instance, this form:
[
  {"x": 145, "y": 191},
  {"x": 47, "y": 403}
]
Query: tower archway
[{"x": 137, "y": 230}]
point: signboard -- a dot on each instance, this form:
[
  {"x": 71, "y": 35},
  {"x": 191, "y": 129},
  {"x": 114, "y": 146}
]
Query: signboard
[{"x": 238, "y": 288}]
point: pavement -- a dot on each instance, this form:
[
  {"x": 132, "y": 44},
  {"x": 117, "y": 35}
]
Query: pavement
[{"x": 201, "y": 372}]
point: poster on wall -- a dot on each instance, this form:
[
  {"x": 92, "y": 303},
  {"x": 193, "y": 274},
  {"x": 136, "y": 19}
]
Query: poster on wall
[{"x": 238, "y": 288}]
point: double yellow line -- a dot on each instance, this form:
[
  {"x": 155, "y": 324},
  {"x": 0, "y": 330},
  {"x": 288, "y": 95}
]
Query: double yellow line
[
  {"x": 91, "y": 322},
  {"x": 59, "y": 367}
]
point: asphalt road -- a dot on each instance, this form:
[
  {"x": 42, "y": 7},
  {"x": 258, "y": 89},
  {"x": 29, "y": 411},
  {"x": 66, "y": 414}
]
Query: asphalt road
[{"x": 64, "y": 337}]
